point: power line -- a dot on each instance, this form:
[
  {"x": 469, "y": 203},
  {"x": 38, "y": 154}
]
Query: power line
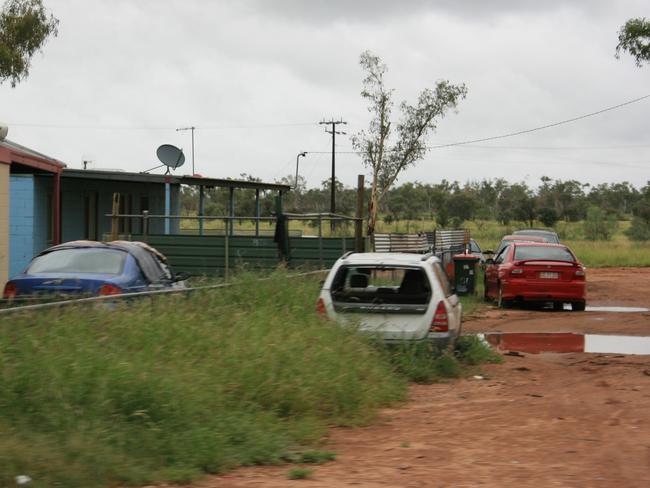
[
  {"x": 547, "y": 126},
  {"x": 526, "y": 131},
  {"x": 153, "y": 128}
]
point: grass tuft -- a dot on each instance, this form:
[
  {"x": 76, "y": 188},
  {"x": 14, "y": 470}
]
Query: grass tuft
[
  {"x": 300, "y": 474},
  {"x": 317, "y": 457}
]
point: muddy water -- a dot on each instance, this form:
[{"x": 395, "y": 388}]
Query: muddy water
[
  {"x": 617, "y": 309},
  {"x": 616, "y": 344}
]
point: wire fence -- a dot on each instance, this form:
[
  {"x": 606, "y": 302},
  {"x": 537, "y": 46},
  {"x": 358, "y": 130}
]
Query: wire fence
[{"x": 128, "y": 296}]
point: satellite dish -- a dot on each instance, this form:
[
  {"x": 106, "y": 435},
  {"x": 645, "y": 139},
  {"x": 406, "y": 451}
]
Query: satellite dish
[{"x": 170, "y": 156}]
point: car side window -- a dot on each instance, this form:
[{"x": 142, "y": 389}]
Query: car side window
[
  {"x": 442, "y": 279},
  {"x": 502, "y": 255}
]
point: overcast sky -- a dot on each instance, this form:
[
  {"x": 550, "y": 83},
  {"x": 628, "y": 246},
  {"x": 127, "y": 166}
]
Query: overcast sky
[{"x": 256, "y": 77}]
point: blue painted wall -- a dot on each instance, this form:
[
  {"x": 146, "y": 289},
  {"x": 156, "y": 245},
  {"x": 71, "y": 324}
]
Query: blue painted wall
[
  {"x": 29, "y": 219},
  {"x": 21, "y": 222}
]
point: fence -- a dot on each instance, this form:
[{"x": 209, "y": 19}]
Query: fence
[{"x": 219, "y": 254}]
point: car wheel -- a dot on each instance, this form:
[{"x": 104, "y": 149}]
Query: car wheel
[
  {"x": 501, "y": 303},
  {"x": 578, "y": 306},
  {"x": 558, "y": 306}
]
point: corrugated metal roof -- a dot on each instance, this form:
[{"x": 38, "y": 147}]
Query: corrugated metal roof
[
  {"x": 95, "y": 174},
  {"x": 25, "y": 151}
]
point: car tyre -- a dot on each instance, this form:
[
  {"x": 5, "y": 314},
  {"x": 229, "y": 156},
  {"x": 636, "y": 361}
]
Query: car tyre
[
  {"x": 578, "y": 306},
  {"x": 558, "y": 306}
]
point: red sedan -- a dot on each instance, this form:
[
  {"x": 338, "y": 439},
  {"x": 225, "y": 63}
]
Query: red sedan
[{"x": 536, "y": 272}]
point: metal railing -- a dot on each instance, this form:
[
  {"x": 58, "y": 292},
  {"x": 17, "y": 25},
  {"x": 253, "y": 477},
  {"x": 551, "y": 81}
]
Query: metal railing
[{"x": 229, "y": 220}]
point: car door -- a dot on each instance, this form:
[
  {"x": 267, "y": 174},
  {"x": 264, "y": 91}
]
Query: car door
[{"x": 492, "y": 272}]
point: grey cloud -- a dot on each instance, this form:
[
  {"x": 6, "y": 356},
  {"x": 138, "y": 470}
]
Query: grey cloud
[{"x": 374, "y": 10}]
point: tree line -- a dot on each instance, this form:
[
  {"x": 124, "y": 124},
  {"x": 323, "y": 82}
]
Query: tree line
[{"x": 449, "y": 204}]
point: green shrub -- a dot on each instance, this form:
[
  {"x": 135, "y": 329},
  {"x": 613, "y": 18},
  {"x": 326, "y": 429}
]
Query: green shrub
[
  {"x": 599, "y": 225},
  {"x": 639, "y": 230}
]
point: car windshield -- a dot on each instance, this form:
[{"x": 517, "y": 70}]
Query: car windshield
[
  {"x": 79, "y": 260},
  {"x": 385, "y": 284},
  {"x": 543, "y": 253},
  {"x": 548, "y": 236}
]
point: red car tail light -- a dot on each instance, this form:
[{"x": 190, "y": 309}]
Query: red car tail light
[
  {"x": 9, "y": 291},
  {"x": 320, "y": 307},
  {"x": 580, "y": 273},
  {"x": 517, "y": 271},
  {"x": 440, "y": 322},
  {"x": 109, "y": 289}
]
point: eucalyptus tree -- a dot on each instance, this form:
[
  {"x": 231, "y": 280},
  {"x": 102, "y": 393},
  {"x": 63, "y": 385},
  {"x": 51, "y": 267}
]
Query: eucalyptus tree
[
  {"x": 388, "y": 148},
  {"x": 25, "y": 26},
  {"x": 634, "y": 38}
]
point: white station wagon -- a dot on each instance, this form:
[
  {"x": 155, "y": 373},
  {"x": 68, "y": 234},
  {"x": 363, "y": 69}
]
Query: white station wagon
[{"x": 396, "y": 296}]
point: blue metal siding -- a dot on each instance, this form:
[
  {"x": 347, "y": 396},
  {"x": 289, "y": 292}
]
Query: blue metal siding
[{"x": 21, "y": 222}]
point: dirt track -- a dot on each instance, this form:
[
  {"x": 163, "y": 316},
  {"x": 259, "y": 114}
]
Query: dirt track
[{"x": 574, "y": 420}]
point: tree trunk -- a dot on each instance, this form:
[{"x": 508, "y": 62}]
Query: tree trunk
[{"x": 372, "y": 207}]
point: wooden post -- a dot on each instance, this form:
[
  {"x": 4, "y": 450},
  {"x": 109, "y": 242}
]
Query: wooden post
[
  {"x": 115, "y": 219},
  {"x": 201, "y": 208},
  {"x": 257, "y": 212},
  {"x": 226, "y": 251},
  {"x": 145, "y": 225},
  {"x": 320, "y": 241},
  {"x": 358, "y": 224},
  {"x": 231, "y": 209}
]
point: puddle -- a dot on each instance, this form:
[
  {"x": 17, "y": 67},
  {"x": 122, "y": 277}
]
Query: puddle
[
  {"x": 565, "y": 342},
  {"x": 617, "y": 344},
  {"x": 535, "y": 343},
  {"x": 616, "y": 309}
]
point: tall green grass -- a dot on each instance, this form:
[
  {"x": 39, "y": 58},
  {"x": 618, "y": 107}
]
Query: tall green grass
[{"x": 169, "y": 389}]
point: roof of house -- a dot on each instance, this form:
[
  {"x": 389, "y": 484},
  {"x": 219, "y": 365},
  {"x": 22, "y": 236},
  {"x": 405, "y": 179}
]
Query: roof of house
[
  {"x": 11, "y": 152},
  {"x": 109, "y": 175}
]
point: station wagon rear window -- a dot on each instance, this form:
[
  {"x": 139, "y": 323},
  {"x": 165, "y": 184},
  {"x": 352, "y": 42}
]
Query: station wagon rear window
[
  {"x": 79, "y": 260},
  {"x": 406, "y": 289},
  {"x": 543, "y": 253}
]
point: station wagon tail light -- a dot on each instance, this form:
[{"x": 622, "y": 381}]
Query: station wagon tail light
[
  {"x": 580, "y": 273},
  {"x": 440, "y": 322},
  {"x": 9, "y": 291},
  {"x": 109, "y": 289},
  {"x": 320, "y": 307},
  {"x": 517, "y": 271}
]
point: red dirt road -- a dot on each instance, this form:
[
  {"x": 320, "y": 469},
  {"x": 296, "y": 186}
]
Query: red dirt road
[{"x": 568, "y": 420}]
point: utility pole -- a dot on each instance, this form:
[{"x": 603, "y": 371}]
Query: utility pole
[
  {"x": 192, "y": 129},
  {"x": 333, "y": 123}
]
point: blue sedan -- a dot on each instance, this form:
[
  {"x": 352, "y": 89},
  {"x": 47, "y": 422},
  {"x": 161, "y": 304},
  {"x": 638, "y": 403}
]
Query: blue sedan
[{"x": 93, "y": 268}]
